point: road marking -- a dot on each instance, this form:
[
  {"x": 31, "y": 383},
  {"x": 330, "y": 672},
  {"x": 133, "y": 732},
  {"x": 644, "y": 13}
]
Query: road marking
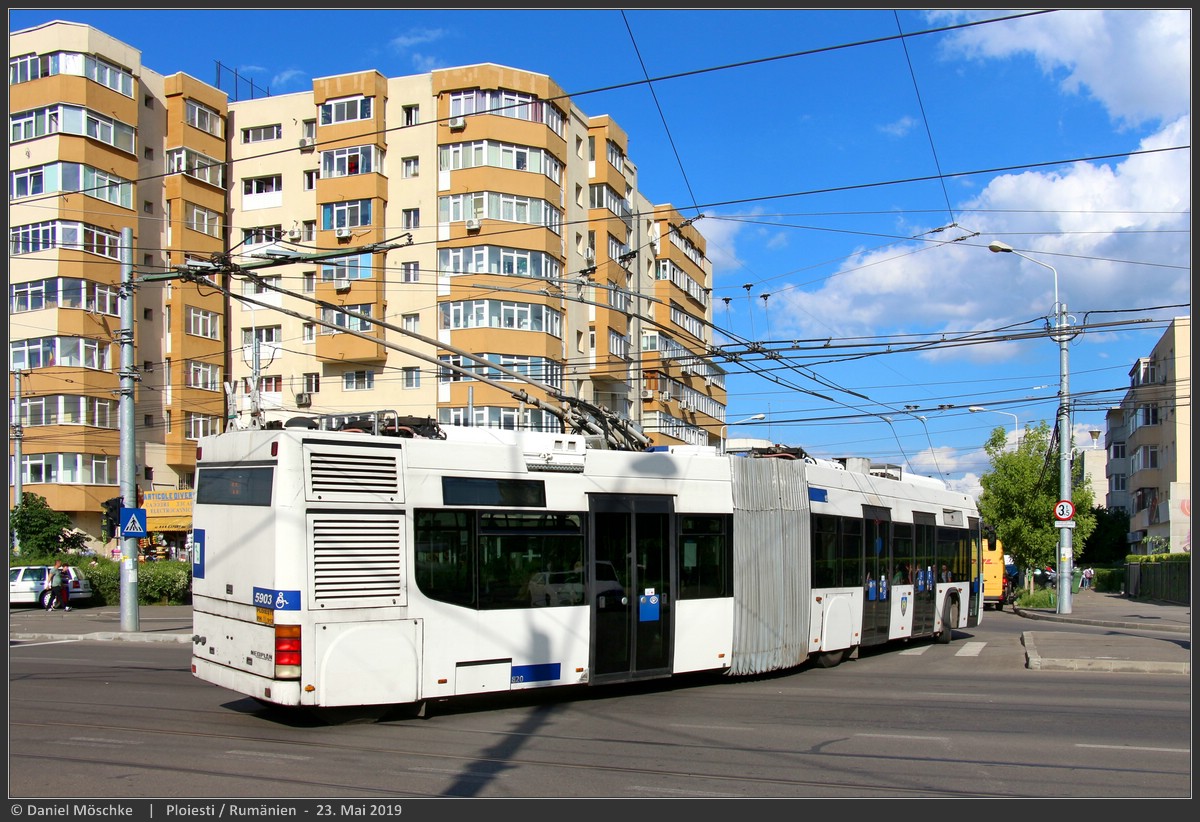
[
  {"x": 266, "y": 755},
  {"x": 907, "y": 736},
  {"x": 1136, "y": 748},
  {"x": 917, "y": 651},
  {"x": 971, "y": 649}
]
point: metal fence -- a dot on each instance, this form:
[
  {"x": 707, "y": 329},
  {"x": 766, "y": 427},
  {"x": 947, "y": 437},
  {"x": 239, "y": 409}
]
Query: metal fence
[{"x": 1168, "y": 581}]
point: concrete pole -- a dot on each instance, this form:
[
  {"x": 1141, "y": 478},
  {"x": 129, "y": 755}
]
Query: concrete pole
[
  {"x": 17, "y": 433},
  {"x": 1066, "y": 559},
  {"x": 128, "y": 458}
]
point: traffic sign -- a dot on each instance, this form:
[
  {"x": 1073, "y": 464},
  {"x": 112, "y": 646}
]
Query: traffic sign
[
  {"x": 133, "y": 522},
  {"x": 1064, "y": 510}
]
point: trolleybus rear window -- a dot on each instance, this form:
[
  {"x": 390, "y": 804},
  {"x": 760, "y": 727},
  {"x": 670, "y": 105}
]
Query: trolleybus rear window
[{"x": 234, "y": 486}]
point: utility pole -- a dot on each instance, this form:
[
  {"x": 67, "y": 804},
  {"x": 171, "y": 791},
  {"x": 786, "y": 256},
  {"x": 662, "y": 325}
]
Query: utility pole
[
  {"x": 128, "y": 458},
  {"x": 17, "y": 434}
]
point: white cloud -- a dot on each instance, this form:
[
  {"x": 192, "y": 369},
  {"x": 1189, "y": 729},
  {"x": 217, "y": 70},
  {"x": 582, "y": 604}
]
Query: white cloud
[
  {"x": 1136, "y": 63},
  {"x": 899, "y": 128},
  {"x": 416, "y": 37},
  {"x": 281, "y": 79}
]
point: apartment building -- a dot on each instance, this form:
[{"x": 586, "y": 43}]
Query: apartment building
[
  {"x": 1149, "y": 440},
  {"x": 417, "y": 244}
]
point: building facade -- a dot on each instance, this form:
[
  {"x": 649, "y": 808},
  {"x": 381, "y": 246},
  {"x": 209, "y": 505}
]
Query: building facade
[
  {"x": 1149, "y": 445},
  {"x": 466, "y": 245}
]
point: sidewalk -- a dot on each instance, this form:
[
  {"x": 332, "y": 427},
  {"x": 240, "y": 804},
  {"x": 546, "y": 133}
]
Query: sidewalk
[
  {"x": 155, "y": 623},
  {"x": 1114, "y": 651}
]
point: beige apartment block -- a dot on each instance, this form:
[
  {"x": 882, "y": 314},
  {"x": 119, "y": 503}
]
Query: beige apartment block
[
  {"x": 465, "y": 245},
  {"x": 1149, "y": 440}
]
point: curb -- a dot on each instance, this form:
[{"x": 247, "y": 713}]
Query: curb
[
  {"x": 1103, "y": 623},
  {"x": 1034, "y": 661},
  {"x": 103, "y": 636}
]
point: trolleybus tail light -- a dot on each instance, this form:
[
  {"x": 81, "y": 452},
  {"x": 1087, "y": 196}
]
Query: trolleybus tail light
[{"x": 287, "y": 651}]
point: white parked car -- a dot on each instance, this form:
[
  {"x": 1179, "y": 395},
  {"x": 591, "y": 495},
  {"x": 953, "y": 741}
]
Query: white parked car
[
  {"x": 27, "y": 585},
  {"x": 556, "y": 588}
]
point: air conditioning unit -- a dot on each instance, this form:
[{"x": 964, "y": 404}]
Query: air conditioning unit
[
  {"x": 342, "y": 233},
  {"x": 647, "y": 394},
  {"x": 341, "y": 286},
  {"x": 665, "y": 396},
  {"x": 589, "y": 254},
  {"x": 472, "y": 225},
  {"x": 306, "y": 142},
  {"x": 458, "y": 123},
  {"x": 303, "y": 400},
  {"x": 293, "y": 234}
]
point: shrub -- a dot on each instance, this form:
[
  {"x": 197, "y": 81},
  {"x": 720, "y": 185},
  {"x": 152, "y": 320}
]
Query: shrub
[
  {"x": 165, "y": 582},
  {"x": 1038, "y": 598}
]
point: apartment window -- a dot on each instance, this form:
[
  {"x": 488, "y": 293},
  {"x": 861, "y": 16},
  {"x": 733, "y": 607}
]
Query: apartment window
[
  {"x": 310, "y": 179},
  {"x": 1118, "y": 482},
  {"x": 27, "y": 182},
  {"x": 346, "y": 214},
  {"x": 341, "y": 319},
  {"x": 264, "y": 334},
  {"x": 148, "y": 421},
  {"x": 412, "y": 377},
  {"x": 262, "y": 185},
  {"x": 201, "y": 425},
  {"x": 261, "y": 285},
  {"x": 358, "y": 380},
  {"x": 312, "y": 383},
  {"x": 310, "y": 230},
  {"x": 272, "y": 383},
  {"x": 346, "y": 110},
  {"x": 412, "y": 115},
  {"x": 346, "y": 162},
  {"x": 309, "y": 278},
  {"x": 148, "y": 101},
  {"x": 355, "y": 267},
  {"x": 147, "y": 313},
  {"x": 197, "y": 165},
  {"x": 1117, "y": 451},
  {"x": 201, "y": 219},
  {"x": 411, "y": 218},
  {"x": 201, "y": 323},
  {"x": 203, "y": 375},
  {"x": 147, "y": 207},
  {"x": 262, "y": 234},
  {"x": 411, "y": 322},
  {"x": 410, "y": 272},
  {"x": 202, "y": 117},
  {"x": 410, "y": 167},
  {"x": 309, "y": 129},
  {"x": 309, "y": 332},
  {"x": 148, "y": 153},
  {"x": 261, "y": 134}
]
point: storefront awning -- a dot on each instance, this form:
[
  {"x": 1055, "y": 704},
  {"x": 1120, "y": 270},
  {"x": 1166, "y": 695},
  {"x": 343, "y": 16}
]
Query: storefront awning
[{"x": 167, "y": 524}]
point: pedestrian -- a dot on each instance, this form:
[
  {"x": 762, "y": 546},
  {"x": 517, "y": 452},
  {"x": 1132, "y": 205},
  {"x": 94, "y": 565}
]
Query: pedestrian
[
  {"x": 1086, "y": 582},
  {"x": 64, "y": 587},
  {"x": 54, "y": 585}
]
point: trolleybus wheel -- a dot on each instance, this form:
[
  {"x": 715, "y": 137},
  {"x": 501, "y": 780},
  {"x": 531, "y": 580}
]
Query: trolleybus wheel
[{"x": 949, "y": 619}]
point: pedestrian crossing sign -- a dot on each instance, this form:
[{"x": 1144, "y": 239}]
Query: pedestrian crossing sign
[{"x": 133, "y": 522}]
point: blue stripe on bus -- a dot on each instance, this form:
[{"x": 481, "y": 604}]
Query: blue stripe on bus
[
  {"x": 546, "y": 672},
  {"x": 818, "y": 494}
]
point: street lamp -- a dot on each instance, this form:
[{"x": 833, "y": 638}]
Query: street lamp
[
  {"x": 755, "y": 418},
  {"x": 1065, "y": 556},
  {"x": 975, "y": 409}
]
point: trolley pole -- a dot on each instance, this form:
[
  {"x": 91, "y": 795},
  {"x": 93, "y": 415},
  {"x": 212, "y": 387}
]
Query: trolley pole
[{"x": 128, "y": 458}]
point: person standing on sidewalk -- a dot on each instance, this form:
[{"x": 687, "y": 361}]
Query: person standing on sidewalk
[
  {"x": 64, "y": 589},
  {"x": 54, "y": 585}
]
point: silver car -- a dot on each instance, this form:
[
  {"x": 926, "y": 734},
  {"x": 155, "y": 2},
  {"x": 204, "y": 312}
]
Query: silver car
[{"x": 27, "y": 585}]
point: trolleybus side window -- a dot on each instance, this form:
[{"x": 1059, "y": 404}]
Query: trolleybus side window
[
  {"x": 494, "y": 492},
  {"x": 852, "y": 548},
  {"x": 954, "y": 553},
  {"x": 706, "y": 557},
  {"x": 495, "y": 560},
  {"x": 826, "y": 569},
  {"x": 902, "y": 553},
  {"x": 234, "y": 486}
]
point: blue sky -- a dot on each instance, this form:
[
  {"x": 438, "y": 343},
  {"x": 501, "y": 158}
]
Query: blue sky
[{"x": 850, "y": 183}]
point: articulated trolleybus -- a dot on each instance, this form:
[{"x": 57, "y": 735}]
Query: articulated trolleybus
[{"x": 393, "y": 563}]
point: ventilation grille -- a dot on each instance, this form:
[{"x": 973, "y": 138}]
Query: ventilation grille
[
  {"x": 334, "y": 476},
  {"x": 357, "y": 562}
]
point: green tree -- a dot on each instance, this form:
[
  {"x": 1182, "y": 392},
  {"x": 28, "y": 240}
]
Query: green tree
[
  {"x": 1019, "y": 493},
  {"x": 41, "y": 530},
  {"x": 1107, "y": 543}
]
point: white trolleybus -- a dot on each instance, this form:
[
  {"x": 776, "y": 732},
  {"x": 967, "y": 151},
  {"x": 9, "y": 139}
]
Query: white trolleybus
[{"x": 391, "y": 563}]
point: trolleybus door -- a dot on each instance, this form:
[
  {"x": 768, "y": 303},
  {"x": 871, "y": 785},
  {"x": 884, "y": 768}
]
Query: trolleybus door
[
  {"x": 924, "y": 574},
  {"x": 630, "y": 538},
  {"x": 877, "y": 574}
]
